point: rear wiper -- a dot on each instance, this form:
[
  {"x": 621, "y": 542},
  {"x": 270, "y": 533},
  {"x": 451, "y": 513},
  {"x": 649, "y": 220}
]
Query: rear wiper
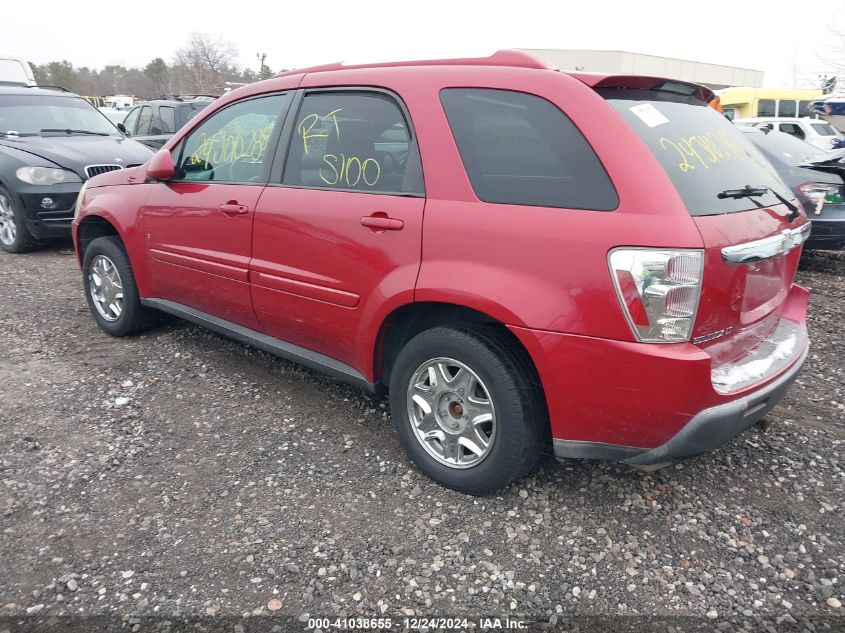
[
  {"x": 72, "y": 131},
  {"x": 752, "y": 192}
]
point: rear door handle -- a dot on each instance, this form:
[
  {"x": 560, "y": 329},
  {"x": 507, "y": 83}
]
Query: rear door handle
[
  {"x": 380, "y": 222},
  {"x": 233, "y": 208}
]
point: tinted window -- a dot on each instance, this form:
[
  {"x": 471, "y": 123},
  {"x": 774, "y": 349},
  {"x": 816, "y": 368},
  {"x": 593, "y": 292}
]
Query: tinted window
[
  {"x": 189, "y": 111},
  {"x": 357, "y": 141},
  {"x": 792, "y": 128},
  {"x": 167, "y": 115},
  {"x": 521, "y": 149},
  {"x": 231, "y": 146},
  {"x": 131, "y": 121},
  {"x": 766, "y": 107},
  {"x": 824, "y": 129},
  {"x": 786, "y": 108},
  {"x": 702, "y": 152}
]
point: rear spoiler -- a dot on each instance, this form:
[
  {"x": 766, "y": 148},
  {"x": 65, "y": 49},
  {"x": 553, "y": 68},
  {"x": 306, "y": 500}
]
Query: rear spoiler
[{"x": 637, "y": 82}]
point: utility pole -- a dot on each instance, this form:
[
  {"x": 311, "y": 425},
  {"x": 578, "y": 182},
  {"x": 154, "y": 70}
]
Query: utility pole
[{"x": 260, "y": 57}]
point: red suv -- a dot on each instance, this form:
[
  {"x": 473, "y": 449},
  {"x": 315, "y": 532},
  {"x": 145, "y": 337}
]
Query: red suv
[{"x": 524, "y": 259}]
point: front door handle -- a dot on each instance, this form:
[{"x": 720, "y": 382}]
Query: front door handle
[
  {"x": 379, "y": 222},
  {"x": 233, "y": 208}
]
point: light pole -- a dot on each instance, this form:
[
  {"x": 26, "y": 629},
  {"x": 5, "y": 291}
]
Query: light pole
[{"x": 261, "y": 57}]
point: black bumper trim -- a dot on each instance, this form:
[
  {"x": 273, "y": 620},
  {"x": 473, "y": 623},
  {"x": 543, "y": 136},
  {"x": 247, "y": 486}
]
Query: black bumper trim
[{"x": 705, "y": 432}]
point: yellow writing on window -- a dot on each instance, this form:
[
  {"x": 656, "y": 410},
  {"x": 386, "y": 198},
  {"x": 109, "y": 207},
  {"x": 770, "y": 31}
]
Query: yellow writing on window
[
  {"x": 704, "y": 150},
  {"x": 228, "y": 146}
]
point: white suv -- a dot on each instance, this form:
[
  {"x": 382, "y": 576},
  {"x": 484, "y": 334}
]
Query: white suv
[{"x": 814, "y": 131}]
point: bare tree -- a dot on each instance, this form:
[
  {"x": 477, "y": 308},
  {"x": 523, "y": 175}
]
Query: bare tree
[{"x": 205, "y": 62}]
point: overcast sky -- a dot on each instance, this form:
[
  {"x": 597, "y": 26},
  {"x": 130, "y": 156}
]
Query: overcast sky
[{"x": 297, "y": 34}]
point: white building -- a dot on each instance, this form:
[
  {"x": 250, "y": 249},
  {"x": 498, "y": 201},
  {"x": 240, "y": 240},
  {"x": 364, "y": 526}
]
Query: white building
[{"x": 714, "y": 76}]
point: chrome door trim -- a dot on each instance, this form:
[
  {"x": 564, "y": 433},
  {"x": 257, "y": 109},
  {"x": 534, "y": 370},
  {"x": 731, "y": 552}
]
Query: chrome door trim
[{"x": 772, "y": 246}]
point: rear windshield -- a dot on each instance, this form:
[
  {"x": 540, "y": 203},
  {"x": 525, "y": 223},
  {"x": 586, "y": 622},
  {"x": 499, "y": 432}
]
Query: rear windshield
[{"x": 701, "y": 151}]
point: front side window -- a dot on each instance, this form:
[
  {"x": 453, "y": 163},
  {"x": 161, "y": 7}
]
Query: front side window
[
  {"x": 144, "y": 120},
  {"x": 518, "y": 148},
  {"x": 131, "y": 121},
  {"x": 792, "y": 128},
  {"x": 766, "y": 107},
  {"x": 231, "y": 145},
  {"x": 356, "y": 141}
]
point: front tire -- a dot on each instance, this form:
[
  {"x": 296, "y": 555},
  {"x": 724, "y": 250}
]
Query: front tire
[
  {"x": 14, "y": 236},
  {"x": 110, "y": 289},
  {"x": 468, "y": 408}
]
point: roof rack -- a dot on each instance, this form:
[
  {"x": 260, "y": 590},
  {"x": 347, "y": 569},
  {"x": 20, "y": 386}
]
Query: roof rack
[
  {"x": 47, "y": 87},
  {"x": 506, "y": 57},
  {"x": 187, "y": 97}
]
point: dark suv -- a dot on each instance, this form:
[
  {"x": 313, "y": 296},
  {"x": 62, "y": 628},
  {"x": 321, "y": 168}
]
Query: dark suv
[
  {"x": 154, "y": 122},
  {"x": 50, "y": 142}
]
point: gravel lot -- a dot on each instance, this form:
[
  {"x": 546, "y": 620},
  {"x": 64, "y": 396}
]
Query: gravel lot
[{"x": 179, "y": 475}]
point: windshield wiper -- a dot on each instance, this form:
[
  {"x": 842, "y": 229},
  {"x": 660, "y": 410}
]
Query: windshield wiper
[
  {"x": 14, "y": 134},
  {"x": 72, "y": 131},
  {"x": 753, "y": 192}
]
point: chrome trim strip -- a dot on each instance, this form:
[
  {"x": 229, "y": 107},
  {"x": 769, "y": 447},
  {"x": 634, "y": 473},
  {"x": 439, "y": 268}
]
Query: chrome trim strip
[{"x": 772, "y": 246}]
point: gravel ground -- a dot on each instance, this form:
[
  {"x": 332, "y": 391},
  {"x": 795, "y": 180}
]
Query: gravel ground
[{"x": 179, "y": 476}]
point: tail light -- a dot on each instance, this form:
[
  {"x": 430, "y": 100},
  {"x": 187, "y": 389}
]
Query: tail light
[
  {"x": 658, "y": 290},
  {"x": 821, "y": 193}
]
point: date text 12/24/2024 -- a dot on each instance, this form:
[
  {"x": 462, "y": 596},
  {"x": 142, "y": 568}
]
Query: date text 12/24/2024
[{"x": 416, "y": 624}]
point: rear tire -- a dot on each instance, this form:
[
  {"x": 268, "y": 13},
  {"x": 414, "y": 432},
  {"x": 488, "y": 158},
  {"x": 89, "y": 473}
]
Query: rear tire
[
  {"x": 110, "y": 289},
  {"x": 14, "y": 236},
  {"x": 468, "y": 408}
]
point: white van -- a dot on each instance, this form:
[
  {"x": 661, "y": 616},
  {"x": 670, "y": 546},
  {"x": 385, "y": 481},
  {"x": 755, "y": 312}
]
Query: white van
[
  {"x": 813, "y": 131},
  {"x": 14, "y": 70}
]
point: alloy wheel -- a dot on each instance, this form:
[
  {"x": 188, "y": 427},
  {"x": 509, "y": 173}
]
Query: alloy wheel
[
  {"x": 451, "y": 413},
  {"x": 8, "y": 229},
  {"x": 106, "y": 288}
]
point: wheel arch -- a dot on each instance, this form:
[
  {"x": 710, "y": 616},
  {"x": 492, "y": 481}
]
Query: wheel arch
[
  {"x": 408, "y": 320},
  {"x": 90, "y": 228}
]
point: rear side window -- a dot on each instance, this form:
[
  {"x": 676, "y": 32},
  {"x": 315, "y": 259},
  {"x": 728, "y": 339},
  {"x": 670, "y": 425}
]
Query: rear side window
[
  {"x": 357, "y": 141},
  {"x": 823, "y": 129},
  {"x": 521, "y": 149},
  {"x": 702, "y": 152},
  {"x": 168, "y": 119}
]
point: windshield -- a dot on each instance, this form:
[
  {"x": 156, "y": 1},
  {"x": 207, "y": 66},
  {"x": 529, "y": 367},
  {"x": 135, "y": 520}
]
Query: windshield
[
  {"x": 785, "y": 148},
  {"x": 702, "y": 152},
  {"x": 29, "y": 114}
]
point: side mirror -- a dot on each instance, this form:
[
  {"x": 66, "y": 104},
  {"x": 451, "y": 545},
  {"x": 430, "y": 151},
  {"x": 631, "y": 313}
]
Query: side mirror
[
  {"x": 160, "y": 166},
  {"x": 123, "y": 129}
]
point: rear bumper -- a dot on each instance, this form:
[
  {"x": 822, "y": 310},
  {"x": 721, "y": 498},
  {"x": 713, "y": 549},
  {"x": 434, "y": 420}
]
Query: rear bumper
[
  {"x": 705, "y": 432},
  {"x": 827, "y": 234},
  {"x": 647, "y": 404}
]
